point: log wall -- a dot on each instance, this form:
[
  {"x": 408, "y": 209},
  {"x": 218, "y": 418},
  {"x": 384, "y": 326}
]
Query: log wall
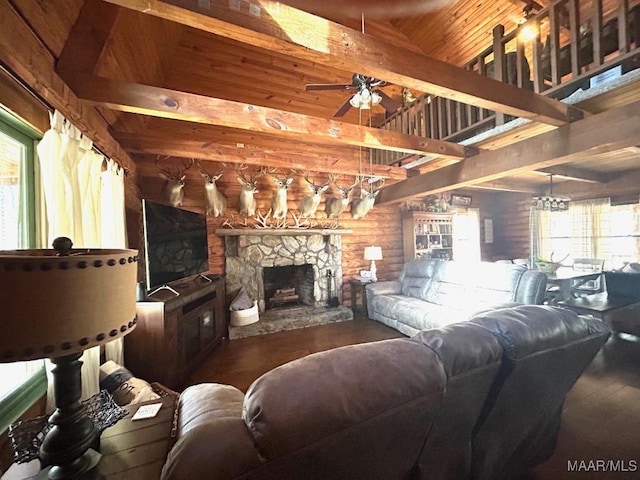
[{"x": 381, "y": 227}]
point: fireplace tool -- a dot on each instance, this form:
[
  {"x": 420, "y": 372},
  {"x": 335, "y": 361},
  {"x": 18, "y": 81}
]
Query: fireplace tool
[{"x": 332, "y": 301}]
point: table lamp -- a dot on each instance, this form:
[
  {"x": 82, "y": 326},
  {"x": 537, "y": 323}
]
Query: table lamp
[
  {"x": 373, "y": 254},
  {"x": 57, "y": 303}
]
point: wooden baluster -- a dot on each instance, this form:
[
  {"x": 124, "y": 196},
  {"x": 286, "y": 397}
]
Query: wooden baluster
[
  {"x": 426, "y": 113},
  {"x": 499, "y": 63},
  {"x": 450, "y": 117},
  {"x": 554, "y": 50},
  {"x": 482, "y": 70},
  {"x": 574, "y": 32},
  {"x": 521, "y": 81},
  {"x": 536, "y": 52},
  {"x": 623, "y": 26},
  {"x": 442, "y": 118},
  {"x": 458, "y": 111},
  {"x": 596, "y": 27},
  {"x": 434, "y": 118}
]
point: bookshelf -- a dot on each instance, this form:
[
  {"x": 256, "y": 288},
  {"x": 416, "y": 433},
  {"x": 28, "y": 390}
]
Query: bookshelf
[{"x": 427, "y": 234}]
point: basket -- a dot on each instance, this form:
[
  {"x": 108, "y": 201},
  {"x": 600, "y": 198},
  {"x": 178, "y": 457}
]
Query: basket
[
  {"x": 547, "y": 267},
  {"x": 240, "y": 318}
]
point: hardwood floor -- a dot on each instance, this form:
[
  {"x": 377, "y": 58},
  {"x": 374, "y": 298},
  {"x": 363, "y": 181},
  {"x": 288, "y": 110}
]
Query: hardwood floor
[
  {"x": 240, "y": 362},
  {"x": 601, "y": 419}
]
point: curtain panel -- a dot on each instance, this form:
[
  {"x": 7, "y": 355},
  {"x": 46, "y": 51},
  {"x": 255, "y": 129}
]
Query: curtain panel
[{"x": 86, "y": 204}]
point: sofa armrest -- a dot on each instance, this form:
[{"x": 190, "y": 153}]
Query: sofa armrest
[
  {"x": 206, "y": 412},
  {"x": 390, "y": 287}
]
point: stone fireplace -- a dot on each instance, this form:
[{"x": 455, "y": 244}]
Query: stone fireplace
[{"x": 249, "y": 252}]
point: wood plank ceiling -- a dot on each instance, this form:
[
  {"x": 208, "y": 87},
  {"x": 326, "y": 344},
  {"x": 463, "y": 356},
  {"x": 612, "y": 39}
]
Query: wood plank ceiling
[{"x": 264, "y": 65}]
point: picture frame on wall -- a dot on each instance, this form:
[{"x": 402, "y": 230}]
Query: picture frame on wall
[{"x": 461, "y": 200}]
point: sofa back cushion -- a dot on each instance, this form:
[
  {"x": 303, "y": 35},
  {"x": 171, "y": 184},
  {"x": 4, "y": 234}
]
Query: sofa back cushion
[
  {"x": 461, "y": 285},
  {"x": 361, "y": 411},
  {"x": 471, "y": 357},
  {"x": 416, "y": 276},
  {"x": 545, "y": 349}
]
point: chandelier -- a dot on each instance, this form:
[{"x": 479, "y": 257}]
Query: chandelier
[{"x": 550, "y": 203}]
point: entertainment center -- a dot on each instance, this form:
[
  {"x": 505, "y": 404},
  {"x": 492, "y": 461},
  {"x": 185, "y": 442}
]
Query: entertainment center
[{"x": 176, "y": 332}]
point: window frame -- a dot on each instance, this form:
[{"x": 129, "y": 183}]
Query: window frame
[{"x": 35, "y": 386}]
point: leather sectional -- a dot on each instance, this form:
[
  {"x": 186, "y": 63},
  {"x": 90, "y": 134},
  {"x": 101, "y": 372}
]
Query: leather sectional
[
  {"x": 432, "y": 293},
  {"x": 480, "y": 399}
]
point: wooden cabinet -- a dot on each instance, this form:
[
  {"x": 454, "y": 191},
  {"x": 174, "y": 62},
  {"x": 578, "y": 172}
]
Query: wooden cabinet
[
  {"x": 175, "y": 332},
  {"x": 427, "y": 234}
]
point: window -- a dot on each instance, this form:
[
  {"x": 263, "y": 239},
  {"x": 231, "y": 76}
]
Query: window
[
  {"x": 591, "y": 229},
  {"x": 22, "y": 382}
]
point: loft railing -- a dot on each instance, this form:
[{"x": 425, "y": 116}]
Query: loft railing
[{"x": 577, "y": 40}]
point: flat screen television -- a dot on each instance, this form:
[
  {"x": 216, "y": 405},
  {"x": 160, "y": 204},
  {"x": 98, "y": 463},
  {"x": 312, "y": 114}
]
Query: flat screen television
[{"x": 175, "y": 242}]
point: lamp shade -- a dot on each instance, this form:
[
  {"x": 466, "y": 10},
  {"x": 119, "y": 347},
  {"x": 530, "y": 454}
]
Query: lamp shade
[
  {"x": 372, "y": 253},
  {"x": 58, "y": 305}
]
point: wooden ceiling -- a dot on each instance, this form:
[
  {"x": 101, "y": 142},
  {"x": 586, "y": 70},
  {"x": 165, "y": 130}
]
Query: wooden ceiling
[{"x": 230, "y": 82}]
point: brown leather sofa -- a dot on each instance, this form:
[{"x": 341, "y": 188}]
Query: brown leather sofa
[{"x": 478, "y": 399}]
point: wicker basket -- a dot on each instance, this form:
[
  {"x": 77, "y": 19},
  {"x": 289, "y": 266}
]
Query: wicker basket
[{"x": 240, "y": 318}]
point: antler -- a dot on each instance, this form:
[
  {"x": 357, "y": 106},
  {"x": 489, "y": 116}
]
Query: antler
[
  {"x": 262, "y": 221},
  {"x": 166, "y": 171}
]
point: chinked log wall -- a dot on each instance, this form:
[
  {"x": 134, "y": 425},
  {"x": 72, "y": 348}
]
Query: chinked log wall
[
  {"x": 560, "y": 60},
  {"x": 381, "y": 227}
]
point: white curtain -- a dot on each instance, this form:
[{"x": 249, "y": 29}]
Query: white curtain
[
  {"x": 114, "y": 233},
  {"x": 77, "y": 206}
]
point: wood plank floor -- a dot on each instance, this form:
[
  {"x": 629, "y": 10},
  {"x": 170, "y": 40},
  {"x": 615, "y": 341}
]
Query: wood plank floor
[{"x": 601, "y": 419}]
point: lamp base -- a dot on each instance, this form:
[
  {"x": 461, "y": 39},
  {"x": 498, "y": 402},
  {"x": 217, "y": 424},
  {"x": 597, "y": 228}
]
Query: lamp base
[
  {"x": 82, "y": 468},
  {"x": 66, "y": 447},
  {"x": 373, "y": 271}
]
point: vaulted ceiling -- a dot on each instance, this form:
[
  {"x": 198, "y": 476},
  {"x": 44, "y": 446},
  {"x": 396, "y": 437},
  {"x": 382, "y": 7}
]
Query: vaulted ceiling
[{"x": 224, "y": 80}]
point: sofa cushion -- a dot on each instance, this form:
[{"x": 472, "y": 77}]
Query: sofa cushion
[
  {"x": 344, "y": 413},
  {"x": 460, "y": 284},
  {"x": 416, "y": 313},
  {"x": 416, "y": 276}
]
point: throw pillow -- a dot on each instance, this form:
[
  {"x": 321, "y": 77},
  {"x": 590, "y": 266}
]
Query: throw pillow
[{"x": 123, "y": 386}]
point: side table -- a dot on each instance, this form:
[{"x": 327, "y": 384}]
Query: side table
[
  {"x": 359, "y": 297},
  {"x": 129, "y": 449}
]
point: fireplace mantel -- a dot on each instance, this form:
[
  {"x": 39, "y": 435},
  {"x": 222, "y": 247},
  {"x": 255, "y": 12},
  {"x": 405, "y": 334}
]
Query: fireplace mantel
[{"x": 236, "y": 232}]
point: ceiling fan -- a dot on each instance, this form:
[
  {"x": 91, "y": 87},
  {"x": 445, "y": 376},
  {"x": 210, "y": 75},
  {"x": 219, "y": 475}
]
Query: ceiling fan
[{"x": 367, "y": 94}]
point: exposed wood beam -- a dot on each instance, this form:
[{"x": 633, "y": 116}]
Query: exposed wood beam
[
  {"x": 575, "y": 173},
  {"x": 278, "y": 27},
  {"x": 507, "y": 186},
  {"x": 24, "y": 54},
  {"x": 606, "y": 132},
  {"x": 154, "y": 145},
  {"x": 629, "y": 183},
  {"x": 165, "y": 103}
]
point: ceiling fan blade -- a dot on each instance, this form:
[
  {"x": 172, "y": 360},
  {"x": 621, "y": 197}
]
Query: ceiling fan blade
[
  {"x": 344, "y": 108},
  {"x": 327, "y": 86},
  {"x": 389, "y": 104}
]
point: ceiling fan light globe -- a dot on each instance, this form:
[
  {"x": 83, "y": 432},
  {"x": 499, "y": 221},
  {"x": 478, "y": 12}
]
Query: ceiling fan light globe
[
  {"x": 355, "y": 101},
  {"x": 365, "y": 96},
  {"x": 375, "y": 98}
]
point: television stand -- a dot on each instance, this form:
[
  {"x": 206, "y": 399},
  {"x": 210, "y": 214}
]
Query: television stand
[{"x": 176, "y": 331}]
